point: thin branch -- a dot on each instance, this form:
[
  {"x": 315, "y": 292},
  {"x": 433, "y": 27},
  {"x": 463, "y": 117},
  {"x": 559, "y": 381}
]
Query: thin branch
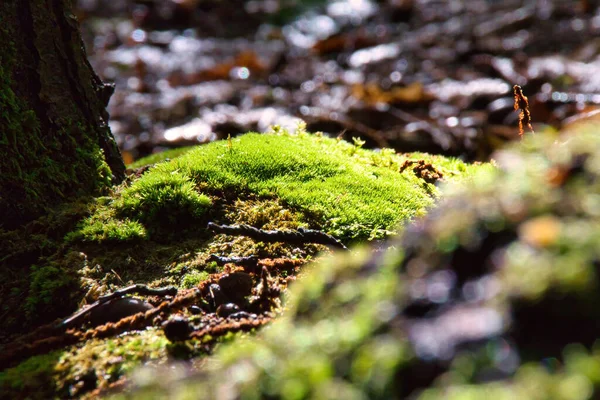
[
  {"x": 250, "y": 261},
  {"x": 301, "y": 236},
  {"x": 521, "y": 102}
]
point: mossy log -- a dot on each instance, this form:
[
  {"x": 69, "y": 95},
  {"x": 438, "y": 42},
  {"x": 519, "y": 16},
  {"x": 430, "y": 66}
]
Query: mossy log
[{"x": 54, "y": 138}]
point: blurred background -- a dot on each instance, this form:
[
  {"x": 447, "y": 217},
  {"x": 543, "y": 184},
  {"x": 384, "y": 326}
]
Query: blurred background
[{"x": 413, "y": 75}]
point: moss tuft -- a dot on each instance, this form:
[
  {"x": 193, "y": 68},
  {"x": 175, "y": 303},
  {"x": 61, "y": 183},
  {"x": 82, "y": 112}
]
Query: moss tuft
[
  {"x": 99, "y": 230},
  {"x": 53, "y": 287},
  {"x": 192, "y": 279},
  {"x": 350, "y": 192},
  {"x": 167, "y": 198},
  {"x": 155, "y": 204},
  {"x": 335, "y": 184},
  {"x": 36, "y": 375}
]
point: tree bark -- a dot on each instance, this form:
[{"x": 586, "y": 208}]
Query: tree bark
[{"x": 55, "y": 143}]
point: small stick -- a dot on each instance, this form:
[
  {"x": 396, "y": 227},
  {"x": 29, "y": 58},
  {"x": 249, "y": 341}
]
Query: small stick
[
  {"x": 137, "y": 289},
  {"x": 522, "y": 103},
  {"x": 250, "y": 261},
  {"x": 300, "y": 236}
]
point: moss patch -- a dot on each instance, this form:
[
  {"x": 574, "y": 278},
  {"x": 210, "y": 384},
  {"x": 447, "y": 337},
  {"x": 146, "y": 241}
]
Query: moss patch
[
  {"x": 152, "y": 229},
  {"x": 499, "y": 283},
  {"x": 342, "y": 190},
  {"x": 336, "y": 186},
  {"x": 164, "y": 199},
  {"x": 36, "y": 375},
  {"x": 50, "y": 146},
  {"x": 80, "y": 370}
]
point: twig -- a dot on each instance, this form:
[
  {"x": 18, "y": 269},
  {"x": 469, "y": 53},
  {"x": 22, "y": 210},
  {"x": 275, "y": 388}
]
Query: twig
[
  {"x": 300, "y": 236},
  {"x": 522, "y": 103},
  {"x": 250, "y": 261},
  {"x": 137, "y": 289}
]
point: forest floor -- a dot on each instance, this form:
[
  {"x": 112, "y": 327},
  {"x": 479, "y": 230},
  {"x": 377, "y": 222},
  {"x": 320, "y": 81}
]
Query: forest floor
[
  {"x": 398, "y": 77},
  {"x": 412, "y": 75}
]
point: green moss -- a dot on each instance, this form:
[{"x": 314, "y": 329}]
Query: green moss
[
  {"x": 41, "y": 276},
  {"x": 53, "y": 287},
  {"x": 48, "y": 285},
  {"x": 50, "y": 157},
  {"x": 36, "y": 376},
  {"x": 577, "y": 377},
  {"x": 161, "y": 200},
  {"x": 167, "y": 198},
  {"x": 99, "y": 363},
  {"x": 527, "y": 237},
  {"x": 104, "y": 229},
  {"x": 333, "y": 183},
  {"x": 193, "y": 278}
]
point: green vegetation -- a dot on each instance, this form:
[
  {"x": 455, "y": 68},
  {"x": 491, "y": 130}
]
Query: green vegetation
[
  {"x": 162, "y": 199},
  {"x": 193, "y": 278},
  {"x": 529, "y": 232},
  {"x": 576, "y": 378},
  {"x": 49, "y": 284},
  {"x": 39, "y": 172},
  {"x": 36, "y": 375},
  {"x": 339, "y": 187},
  {"x": 158, "y": 200},
  {"x": 151, "y": 229},
  {"x": 103, "y": 227},
  {"x": 70, "y": 373}
]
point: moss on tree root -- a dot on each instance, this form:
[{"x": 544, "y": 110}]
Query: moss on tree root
[{"x": 151, "y": 229}]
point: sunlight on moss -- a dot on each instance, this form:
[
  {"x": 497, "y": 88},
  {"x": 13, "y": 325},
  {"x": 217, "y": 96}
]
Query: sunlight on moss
[
  {"x": 162, "y": 198},
  {"x": 348, "y": 196},
  {"x": 149, "y": 204},
  {"x": 347, "y": 323},
  {"x": 192, "y": 279},
  {"x": 334, "y": 185},
  {"x": 99, "y": 230}
]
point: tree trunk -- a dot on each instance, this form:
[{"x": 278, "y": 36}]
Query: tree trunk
[{"x": 55, "y": 143}]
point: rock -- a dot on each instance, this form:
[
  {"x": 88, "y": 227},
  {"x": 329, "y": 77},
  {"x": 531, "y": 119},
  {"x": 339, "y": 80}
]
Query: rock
[
  {"x": 226, "y": 310},
  {"x": 117, "y": 309},
  {"x": 236, "y": 285},
  {"x": 242, "y": 315},
  {"x": 177, "y": 329},
  {"x": 195, "y": 310},
  {"x": 216, "y": 294}
]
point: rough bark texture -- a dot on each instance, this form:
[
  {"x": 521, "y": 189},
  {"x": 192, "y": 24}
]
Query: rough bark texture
[{"x": 54, "y": 139}]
